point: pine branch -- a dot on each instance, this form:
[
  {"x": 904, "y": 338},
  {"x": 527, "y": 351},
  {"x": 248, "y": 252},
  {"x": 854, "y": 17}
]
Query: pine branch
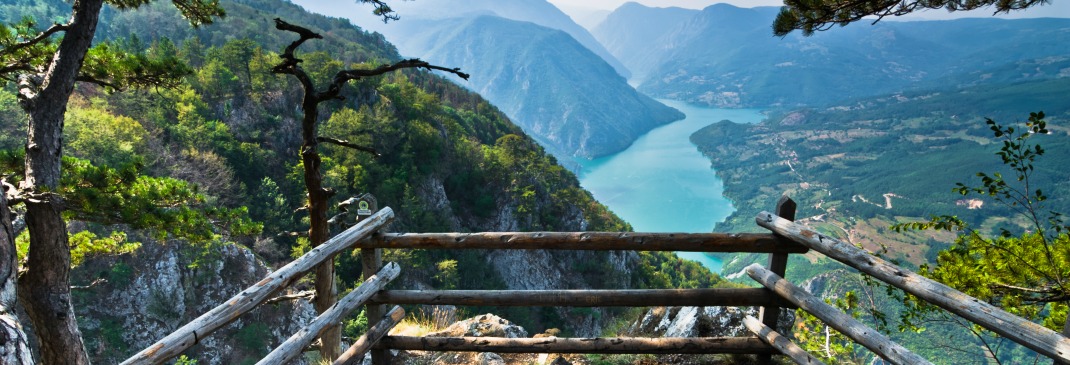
[
  {"x": 348, "y": 144},
  {"x": 55, "y": 28}
]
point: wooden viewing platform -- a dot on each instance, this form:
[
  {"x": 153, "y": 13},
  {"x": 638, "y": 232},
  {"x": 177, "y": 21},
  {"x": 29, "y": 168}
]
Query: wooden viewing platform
[{"x": 786, "y": 238}]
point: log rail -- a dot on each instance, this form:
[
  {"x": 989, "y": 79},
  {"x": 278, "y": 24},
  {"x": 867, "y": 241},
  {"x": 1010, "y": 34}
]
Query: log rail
[{"x": 786, "y": 237}]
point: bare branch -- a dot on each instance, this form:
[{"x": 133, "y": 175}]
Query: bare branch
[
  {"x": 290, "y": 63},
  {"x": 91, "y": 285},
  {"x": 348, "y": 144},
  {"x": 93, "y": 80},
  {"x": 345, "y": 76},
  {"x": 307, "y": 294}
]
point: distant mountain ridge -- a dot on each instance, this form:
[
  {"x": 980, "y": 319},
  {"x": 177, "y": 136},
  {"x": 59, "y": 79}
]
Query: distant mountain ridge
[
  {"x": 539, "y": 12},
  {"x": 545, "y": 81},
  {"x": 634, "y": 34},
  {"x": 727, "y": 56}
]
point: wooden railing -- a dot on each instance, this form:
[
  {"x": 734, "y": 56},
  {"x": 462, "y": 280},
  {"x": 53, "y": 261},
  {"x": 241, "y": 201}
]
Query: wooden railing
[{"x": 786, "y": 238}]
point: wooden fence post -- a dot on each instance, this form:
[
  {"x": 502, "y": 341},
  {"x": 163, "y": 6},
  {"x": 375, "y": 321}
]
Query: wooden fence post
[
  {"x": 783, "y": 344},
  {"x": 355, "y": 354},
  {"x": 833, "y": 317},
  {"x": 190, "y": 334},
  {"x": 371, "y": 261},
  {"x": 1032, "y": 335},
  {"x": 778, "y": 264},
  {"x": 296, "y": 344}
]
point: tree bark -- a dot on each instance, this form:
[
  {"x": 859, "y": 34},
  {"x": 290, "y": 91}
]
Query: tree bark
[
  {"x": 14, "y": 346},
  {"x": 319, "y": 230},
  {"x": 45, "y": 288}
]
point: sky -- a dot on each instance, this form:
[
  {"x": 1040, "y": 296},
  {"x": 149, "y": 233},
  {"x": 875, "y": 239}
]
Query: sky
[{"x": 1057, "y": 8}]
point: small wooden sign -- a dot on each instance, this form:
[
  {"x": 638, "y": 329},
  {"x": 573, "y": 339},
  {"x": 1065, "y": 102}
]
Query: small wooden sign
[{"x": 366, "y": 205}]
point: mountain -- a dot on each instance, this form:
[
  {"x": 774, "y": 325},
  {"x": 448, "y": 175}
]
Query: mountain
[
  {"x": 448, "y": 161},
  {"x": 545, "y": 81},
  {"x": 727, "y": 56},
  {"x": 540, "y": 12},
  {"x": 586, "y": 17},
  {"x": 637, "y": 35}
]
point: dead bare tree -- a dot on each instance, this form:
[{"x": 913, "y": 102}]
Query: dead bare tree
[{"x": 318, "y": 195}]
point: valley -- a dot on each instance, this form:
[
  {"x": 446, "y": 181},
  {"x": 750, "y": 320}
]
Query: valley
[{"x": 636, "y": 119}]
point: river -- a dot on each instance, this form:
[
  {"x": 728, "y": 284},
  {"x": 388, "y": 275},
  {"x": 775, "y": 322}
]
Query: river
[{"x": 662, "y": 183}]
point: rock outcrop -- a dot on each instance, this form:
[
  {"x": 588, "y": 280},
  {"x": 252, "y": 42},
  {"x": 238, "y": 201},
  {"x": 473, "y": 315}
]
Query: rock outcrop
[
  {"x": 149, "y": 294},
  {"x": 703, "y": 321},
  {"x": 484, "y": 325}
]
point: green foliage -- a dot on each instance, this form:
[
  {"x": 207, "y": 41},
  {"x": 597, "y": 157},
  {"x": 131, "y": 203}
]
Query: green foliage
[
  {"x": 825, "y": 343},
  {"x": 355, "y": 327},
  {"x": 446, "y": 278},
  {"x": 117, "y": 67},
  {"x": 17, "y": 54},
  {"x": 123, "y": 195},
  {"x": 120, "y": 274},
  {"x": 811, "y": 16},
  {"x": 1025, "y": 275},
  {"x": 254, "y": 337},
  {"x": 185, "y": 360},
  {"x": 87, "y": 243},
  {"x": 105, "y": 138}
]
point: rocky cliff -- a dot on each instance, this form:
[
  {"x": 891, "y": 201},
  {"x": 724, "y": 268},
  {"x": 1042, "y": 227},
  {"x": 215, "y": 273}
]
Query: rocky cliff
[{"x": 147, "y": 295}]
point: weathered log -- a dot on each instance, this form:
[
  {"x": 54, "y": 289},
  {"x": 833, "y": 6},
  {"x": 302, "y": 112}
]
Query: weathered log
[
  {"x": 779, "y": 342},
  {"x": 371, "y": 260},
  {"x": 850, "y": 327},
  {"x": 590, "y": 241},
  {"x": 188, "y": 335},
  {"x": 1028, "y": 334},
  {"x": 733, "y": 297},
  {"x": 554, "y": 345},
  {"x": 778, "y": 264},
  {"x": 292, "y": 347},
  {"x": 355, "y": 354}
]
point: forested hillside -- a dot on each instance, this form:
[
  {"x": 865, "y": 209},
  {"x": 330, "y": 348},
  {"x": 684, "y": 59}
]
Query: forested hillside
[
  {"x": 726, "y": 56},
  {"x": 535, "y": 64},
  {"x": 841, "y": 161},
  {"x": 448, "y": 161},
  {"x": 549, "y": 83}
]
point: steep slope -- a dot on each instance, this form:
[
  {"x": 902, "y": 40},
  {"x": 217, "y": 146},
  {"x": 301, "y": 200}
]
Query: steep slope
[
  {"x": 636, "y": 35},
  {"x": 586, "y": 17},
  {"x": 545, "y": 81},
  {"x": 449, "y": 161},
  {"x": 726, "y": 56},
  {"x": 540, "y": 12}
]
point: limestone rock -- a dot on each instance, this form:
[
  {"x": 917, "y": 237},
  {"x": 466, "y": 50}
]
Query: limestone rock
[
  {"x": 161, "y": 287},
  {"x": 702, "y": 321},
  {"x": 486, "y": 325}
]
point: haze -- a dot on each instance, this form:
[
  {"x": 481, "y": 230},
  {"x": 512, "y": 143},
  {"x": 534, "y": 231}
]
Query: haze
[{"x": 1056, "y": 9}]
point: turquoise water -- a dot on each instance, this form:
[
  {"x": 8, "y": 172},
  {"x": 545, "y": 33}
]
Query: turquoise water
[{"x": 661, "y": 183}]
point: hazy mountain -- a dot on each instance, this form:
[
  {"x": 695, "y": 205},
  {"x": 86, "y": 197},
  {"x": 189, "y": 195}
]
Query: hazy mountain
[
  {"x": 548, "y": 83},
  {"x": 636, "y": 35},
  {"x": 412, "y": 13},
  {"x": 584, "y": 16},
  {"x": 727, "y": 56}
]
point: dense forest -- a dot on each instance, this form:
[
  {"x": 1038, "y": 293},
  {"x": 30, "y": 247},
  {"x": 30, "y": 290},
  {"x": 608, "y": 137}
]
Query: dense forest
[{"x": 222, "y": 144}]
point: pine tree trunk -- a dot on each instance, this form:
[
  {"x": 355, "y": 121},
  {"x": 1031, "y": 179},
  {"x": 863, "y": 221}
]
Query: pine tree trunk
[
  {"x": 326, "y": 292},
  {"x": 14, "y": 346},
  {"x": 45, "y": 288}
]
